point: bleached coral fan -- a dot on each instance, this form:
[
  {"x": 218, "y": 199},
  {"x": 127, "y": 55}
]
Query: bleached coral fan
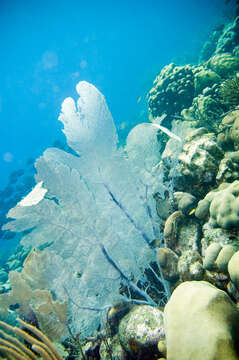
[{"x": 95, "y": 214}]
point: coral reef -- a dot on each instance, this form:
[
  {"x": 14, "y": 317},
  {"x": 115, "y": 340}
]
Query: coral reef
[
  {"x": 228, "y": 168},
  {"x": 117, "y": 230}
]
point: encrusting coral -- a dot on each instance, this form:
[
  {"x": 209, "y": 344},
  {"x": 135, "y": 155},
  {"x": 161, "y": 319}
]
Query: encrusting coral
[{"x": 40, "y": 345}]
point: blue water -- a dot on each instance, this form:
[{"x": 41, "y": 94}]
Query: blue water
[{"x": 48, "y": 46}]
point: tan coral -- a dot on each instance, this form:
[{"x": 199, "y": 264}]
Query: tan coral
[
  {"x": 40, "y": 346},
  {"x": 171, "y": 229},
  {"x": 51, "y": 314}
]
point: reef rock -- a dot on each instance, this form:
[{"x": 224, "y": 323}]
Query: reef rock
[
  {"x": 168, "y": 261},
  {"x": 199, "y": 161},
  {"x": 141, "y": 330},
  {"x": 185, "y": 201},
  {"x": 201, "y": 322},
  {"x": 181, "y": 232},
  {"x": 190, "y": 266},
  {"x": 111, "y": 349},
  {"x": 228, "y": 169}
]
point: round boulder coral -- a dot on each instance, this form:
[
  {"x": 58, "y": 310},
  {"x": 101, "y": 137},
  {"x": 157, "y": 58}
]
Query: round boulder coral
[
  {"x": 224, "y": 208},
  {"x": 233, "y": 269},
  {"x": 201, "y": 322},
  {"x": 210, "y": 255}
]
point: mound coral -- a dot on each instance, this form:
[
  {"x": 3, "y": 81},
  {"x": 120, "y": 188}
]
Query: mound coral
[
  {"x": 173, "y": 90},
  {"x": 222, "y": 206}
]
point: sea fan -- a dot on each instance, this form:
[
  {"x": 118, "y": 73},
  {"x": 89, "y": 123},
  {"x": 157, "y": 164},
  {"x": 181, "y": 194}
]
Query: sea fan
[{"x": 94, "y": 210}]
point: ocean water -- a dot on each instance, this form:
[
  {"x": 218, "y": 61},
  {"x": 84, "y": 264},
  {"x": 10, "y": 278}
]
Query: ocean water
[
  {"x": 96, "y": 214},
  {"x": 47, "y": 47}
]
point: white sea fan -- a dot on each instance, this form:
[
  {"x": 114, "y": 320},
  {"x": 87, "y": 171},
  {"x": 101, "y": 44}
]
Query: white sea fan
[
  {"x": 95, "y": 202},
  {"x": 35, "y": 196},
  {"x": 88, "y": 124},
  {"x": 142, "y": 146}
]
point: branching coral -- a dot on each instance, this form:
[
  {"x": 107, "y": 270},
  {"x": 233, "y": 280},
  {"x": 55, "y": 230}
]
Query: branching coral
[{"x": 12, "y": 348}]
